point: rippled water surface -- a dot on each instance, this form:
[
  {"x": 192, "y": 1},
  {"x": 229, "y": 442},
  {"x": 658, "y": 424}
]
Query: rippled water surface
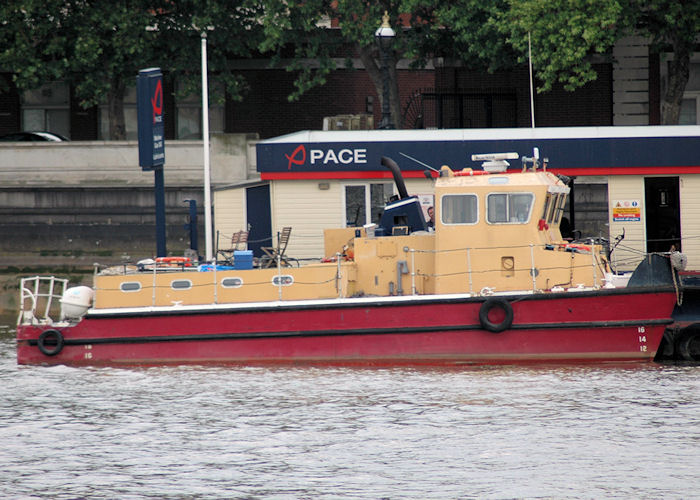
[{"x": 241, "y": 432}]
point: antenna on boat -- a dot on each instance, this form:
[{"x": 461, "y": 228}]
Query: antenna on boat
[
  {"x": 535, "y": 161},
  {"x": 532, "y": 94},
  {"x": 420, "y": 163},
  {"x": 495, "y": 162}
]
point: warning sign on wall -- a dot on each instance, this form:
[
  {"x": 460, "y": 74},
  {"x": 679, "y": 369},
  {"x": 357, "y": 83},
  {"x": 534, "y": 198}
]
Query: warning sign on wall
[{"x": 626, "y": 211}]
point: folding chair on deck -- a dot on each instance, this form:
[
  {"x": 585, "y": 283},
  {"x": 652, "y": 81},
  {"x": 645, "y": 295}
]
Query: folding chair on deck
[
  {"x": 239, "y": 241},
  {"x": 271, "y": 253}
]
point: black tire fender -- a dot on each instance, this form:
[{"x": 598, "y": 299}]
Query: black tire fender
[
  {"x": 687, "y": 344},
  {"x": 486, "y": 307},
  {"x": 51, "y": 349}
]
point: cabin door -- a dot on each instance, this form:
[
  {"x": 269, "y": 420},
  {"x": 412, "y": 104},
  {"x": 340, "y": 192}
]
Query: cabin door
[
  {"x": 662, "y": 213},
  {"x": 259, "y": 219}
]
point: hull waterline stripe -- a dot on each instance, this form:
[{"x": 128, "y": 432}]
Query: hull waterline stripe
[{"x": 362, "y": 331}]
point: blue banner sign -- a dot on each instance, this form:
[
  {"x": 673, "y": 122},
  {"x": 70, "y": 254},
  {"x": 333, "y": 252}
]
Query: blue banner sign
[
  {"x": 150, "y": 118},
  {"x": 573, "y": 150}
]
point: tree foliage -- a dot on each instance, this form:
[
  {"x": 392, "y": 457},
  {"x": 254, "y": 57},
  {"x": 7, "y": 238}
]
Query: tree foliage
[
  {"x": 99, "y": 46},
  {"x": 309, "y": 36},
  {"x": 563, "y": 34},
  {"x": 566, "y": 34},
  {"x": 674, "y": 27},
  {"x": 467, "y": 31},
  {"x": 33, "y": 41}
]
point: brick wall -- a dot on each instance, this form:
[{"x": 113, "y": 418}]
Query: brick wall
[
  {"x": 590, "y": 105},
  {"x": 266, "y": 109}
]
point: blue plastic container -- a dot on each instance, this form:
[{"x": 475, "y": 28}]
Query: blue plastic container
[{"x": 243, "y": 259}]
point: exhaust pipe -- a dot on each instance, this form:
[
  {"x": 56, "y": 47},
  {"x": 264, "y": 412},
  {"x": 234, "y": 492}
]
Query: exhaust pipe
[{"x": 398, "y": 178}]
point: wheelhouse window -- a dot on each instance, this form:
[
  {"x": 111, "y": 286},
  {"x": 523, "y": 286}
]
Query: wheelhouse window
[
  {"x": 561, "y": 204},
  {"x": 554, "y": 207},
  {"x": 509, "y": 208},
  {"x": 459, "y": 209}
]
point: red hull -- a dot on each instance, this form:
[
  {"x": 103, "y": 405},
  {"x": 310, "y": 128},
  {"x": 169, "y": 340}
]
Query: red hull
[{"x": 608, "y": 325}]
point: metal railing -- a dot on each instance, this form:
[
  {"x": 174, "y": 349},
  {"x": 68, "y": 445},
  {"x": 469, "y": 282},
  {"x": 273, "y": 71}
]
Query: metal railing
[{"x": 40, "y": 292}]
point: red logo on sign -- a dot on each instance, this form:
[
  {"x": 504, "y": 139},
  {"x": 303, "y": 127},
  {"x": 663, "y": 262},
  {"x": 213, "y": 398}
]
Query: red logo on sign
[
  {"x": 157, "y": 101},
  {"x": 300, "y": 150}
]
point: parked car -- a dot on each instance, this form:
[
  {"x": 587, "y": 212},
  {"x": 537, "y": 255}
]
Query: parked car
[{"x": 36, "y": 136}]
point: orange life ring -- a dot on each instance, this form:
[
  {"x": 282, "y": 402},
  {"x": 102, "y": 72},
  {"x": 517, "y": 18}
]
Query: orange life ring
[{"x": 174, "y": 261}]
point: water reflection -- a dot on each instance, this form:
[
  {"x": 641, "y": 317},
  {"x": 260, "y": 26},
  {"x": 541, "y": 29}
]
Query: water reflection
[{"x": 240, "y": 432}]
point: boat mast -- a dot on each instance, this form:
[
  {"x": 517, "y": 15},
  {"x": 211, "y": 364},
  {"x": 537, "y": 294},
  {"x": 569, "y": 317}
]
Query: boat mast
[
  {"x": 532, "y": 96},
  {"x": 205, "y": 137}
]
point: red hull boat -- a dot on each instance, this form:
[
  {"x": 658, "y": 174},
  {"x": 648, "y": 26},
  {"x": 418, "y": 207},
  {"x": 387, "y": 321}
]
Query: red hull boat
[{"x": 492, "y": 282}]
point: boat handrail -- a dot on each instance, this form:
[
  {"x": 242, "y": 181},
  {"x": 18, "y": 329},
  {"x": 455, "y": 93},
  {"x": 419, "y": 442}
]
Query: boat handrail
[
  {"x": 35, "y": 289},
  {"x": 470, "y": 269}
]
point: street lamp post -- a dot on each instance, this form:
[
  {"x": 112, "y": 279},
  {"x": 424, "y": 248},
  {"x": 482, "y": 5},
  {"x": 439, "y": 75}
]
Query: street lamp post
[{"x": 385, "y": 37}]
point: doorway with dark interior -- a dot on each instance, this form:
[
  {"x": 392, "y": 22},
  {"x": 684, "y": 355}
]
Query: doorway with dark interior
[
  {"x": 259, "y": 218},
  {"x": 662, "y": 214}
]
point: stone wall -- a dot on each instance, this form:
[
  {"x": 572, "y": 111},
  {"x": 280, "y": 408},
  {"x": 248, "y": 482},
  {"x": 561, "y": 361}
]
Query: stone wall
[{"x": 85, "y": 202}]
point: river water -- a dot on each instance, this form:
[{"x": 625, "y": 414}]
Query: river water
[{"x": 570, "y": 431}]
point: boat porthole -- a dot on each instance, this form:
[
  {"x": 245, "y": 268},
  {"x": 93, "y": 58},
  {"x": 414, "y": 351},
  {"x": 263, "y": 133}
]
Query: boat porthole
[
  {"x": 232, "y": 282},
  {"x": 50, "y": 342},
  {"x": 181, "y": 284},
  {"x": 130, "y": 286},
  {"x": 283, "y": 280},
  {"x": 486, "y": 308}
]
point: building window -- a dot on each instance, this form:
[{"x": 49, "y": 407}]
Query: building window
[
  {"x": 690, "y": 105},
  {"x": 189, "y": 116},
  {"x": 130, "y": 117},
  {"x": 364, "y": 203},
  {"x": 47, "y": 108}
]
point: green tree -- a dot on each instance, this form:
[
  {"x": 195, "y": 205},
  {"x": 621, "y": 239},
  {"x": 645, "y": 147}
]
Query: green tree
[
  {"x": 99, "y": 46},
  {"x": 233, "y": 32},
  {"x": 468, "y": 31},
  {"x": 32, "y": 42},
  {"x": 564, "y": 34},
  {"x": 308, "y": 36},
  {"x": 671, "y": 26}
]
